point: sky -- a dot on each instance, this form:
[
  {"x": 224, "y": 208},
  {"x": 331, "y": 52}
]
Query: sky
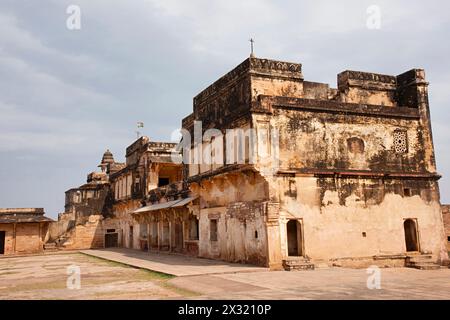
[{"x": 67, "y": 95}]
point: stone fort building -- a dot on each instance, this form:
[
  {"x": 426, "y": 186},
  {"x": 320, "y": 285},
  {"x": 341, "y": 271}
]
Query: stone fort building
[{"x": 350, "y": 179}]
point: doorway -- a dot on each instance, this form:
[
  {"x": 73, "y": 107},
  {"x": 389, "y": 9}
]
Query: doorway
[
  {"x": 2, "y": 242},
  {"x": 111, "y": 240},
  {"x": 131, "y": 237},
  {"x": 178, "y": 229},
  {"x": 411, "y": 235},
  {"x": 294, "y": 238}
]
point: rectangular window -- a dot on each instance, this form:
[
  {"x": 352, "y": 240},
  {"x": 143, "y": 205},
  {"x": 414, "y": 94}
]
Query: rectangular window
[
  {"x": 143, "y": 230},
  {"x": 213, "y": 230},
  {"x": 193, "y": 229},
  {"x": 163, "y": 182},
  {"x": 407, "y": 192}
]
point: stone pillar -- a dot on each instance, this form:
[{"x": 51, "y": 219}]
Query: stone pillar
[
  {"x": 183, "y": 230},
  {"x": 274, "y": 255},
  {"x": 14, "y": 239},
  {"x": 159, "y": 234},
  {"x": 148, "y": 237},
  {"x": 170, "y": 236}
]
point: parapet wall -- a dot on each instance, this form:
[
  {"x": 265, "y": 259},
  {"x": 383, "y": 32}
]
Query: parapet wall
[{"x": 21, "y": 210}]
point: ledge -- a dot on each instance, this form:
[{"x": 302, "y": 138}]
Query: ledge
[
  {"x": 359, "y": 173},
  {"x": 267, "y": 103}
]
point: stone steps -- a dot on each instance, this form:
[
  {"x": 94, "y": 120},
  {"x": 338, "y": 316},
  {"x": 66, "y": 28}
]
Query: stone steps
[
  {"x": 422, "y": 262},
  {"x": 424, "y": 265},
  {"x": 419, "y": 257},
  {"x": 50, "y": 247},
  {"x": 446, "y": 263},
  {"x": 63, "y": 241},
  {"x": 297, "y": 263}
]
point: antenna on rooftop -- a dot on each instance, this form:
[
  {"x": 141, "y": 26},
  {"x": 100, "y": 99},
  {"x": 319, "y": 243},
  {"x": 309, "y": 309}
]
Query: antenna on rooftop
[{"x": 139, "y": 125}]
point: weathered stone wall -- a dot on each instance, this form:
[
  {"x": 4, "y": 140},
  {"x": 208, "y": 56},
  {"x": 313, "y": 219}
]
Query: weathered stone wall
[
  {"x": 66, "y": 221},
  {"x": 356, "y": 227},
  {"x": 310, "y": 140},
  {"x": 122, "y": 212},
  {"x": 446, "y": 218},
  {"x": 90, "y": 234},
  {"x": 237, "y": 203},
  {"x": 28, "y": 238},
  {"x": 9, "y": 238},
  {"x": 367, "y": 88}
]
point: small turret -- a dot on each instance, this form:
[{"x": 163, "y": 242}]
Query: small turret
[{"x": 107, "y": 159}]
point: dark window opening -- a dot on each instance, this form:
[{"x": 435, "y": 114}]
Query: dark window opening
[
  {"x": 111, "y": 240},
  {"x": 364, "y": 234},
  {"x": 247, "y": 150},
  {"x": 213, "y": 230},
  {"x": 110, "y": 230},
  {"x": 193, "y": 232},
  {"x": 448, "y": 239},
  {"x": 163, "y": 182},
  {"x": 407, "y": 192},
  {"x": 256, "y": 234},
  {"x": 2, "y": 242}
]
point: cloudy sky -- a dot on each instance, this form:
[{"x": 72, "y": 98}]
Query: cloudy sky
[{"x": 67, "y": 95}]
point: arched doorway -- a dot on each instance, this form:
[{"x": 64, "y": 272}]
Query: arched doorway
[
  {"x": 294, "y": 238},
  {"x": 411, "y": 235}
]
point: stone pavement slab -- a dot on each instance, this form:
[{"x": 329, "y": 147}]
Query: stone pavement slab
[
  {"x": 333, "y": 283},
  {"x": 174, "y": 264}
]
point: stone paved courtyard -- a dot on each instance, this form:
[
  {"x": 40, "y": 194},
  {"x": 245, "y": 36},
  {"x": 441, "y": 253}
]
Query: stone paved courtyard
[
  {"x": 334, "y": 283},
  {"x": 44, "y": 277}
]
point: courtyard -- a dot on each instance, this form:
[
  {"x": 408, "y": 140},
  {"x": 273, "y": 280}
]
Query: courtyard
[
  {"x": 45, "y": 277},
  {"x": 126, "y": 274}
]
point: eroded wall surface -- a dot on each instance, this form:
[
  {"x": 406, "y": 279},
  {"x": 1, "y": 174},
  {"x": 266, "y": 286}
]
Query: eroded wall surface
[
  {"x": 446, "y": 218},
  {"x": 9, "y": 238},
  {"x": 26, "y": 238},
  {"x": 129, "y": 227},
  {"x": 237, "y": 203}
]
